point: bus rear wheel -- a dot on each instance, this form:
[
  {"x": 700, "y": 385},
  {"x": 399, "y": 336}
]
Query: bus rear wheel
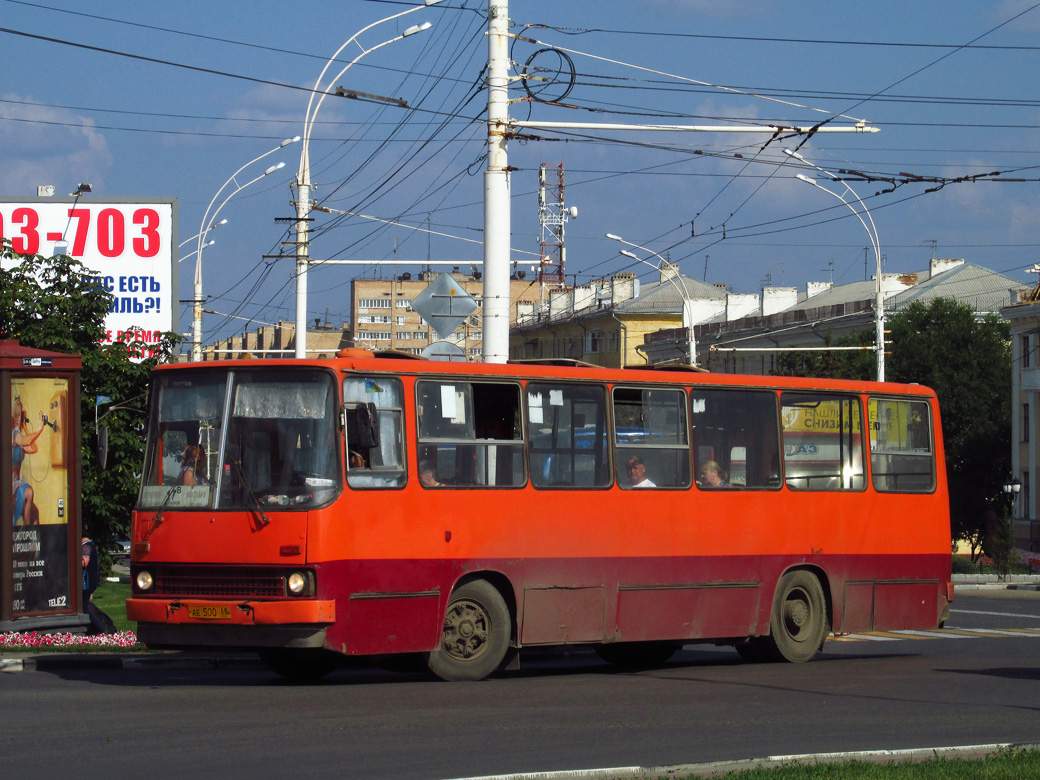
[
  {"x": 798, "y": 623},
  {"x": 475, "y": 636},
  {"x": 300, "y": 664}
]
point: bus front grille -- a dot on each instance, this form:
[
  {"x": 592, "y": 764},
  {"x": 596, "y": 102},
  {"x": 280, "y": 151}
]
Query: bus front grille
[{"x": 219, "y": 581}]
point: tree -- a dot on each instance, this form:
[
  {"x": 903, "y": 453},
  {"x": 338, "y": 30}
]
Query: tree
[
  {"x": 57, "y": 304},
  {"x": 967, "y": 361}
]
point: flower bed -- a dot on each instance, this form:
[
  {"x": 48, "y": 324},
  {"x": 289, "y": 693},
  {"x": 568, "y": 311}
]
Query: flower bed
[{"x": 33, "y": 639}]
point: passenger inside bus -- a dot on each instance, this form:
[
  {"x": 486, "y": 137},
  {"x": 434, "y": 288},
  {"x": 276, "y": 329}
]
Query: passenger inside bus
[
  {"x": 712, "y": 476},
  {"x": 637, "y": 473},
  {"x": 428, "y": 475}
]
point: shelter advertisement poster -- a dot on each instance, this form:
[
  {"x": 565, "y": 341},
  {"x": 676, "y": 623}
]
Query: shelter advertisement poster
[
  {"x": 40, "y": 486},
  {"x": 129, "y": 244}
]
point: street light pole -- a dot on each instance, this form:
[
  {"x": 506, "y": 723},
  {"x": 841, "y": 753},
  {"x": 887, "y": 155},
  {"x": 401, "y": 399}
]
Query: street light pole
[
  {"x": 872, "y": 234},
  {"x": 684, "y": 293},
  {"x": 303, "y": 177},
  {"x": 196, "y": 329}
]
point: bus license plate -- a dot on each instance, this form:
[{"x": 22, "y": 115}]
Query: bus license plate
[{"x": 202, "y": 612}]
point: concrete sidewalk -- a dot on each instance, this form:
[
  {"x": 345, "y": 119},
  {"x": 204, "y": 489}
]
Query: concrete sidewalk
[{"x": 996, "y": 582}]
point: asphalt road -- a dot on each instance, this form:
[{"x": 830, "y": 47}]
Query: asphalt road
[{"x": 976, "y": 682}]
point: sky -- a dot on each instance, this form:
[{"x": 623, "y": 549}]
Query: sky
[{"x": 147, "y": 100}]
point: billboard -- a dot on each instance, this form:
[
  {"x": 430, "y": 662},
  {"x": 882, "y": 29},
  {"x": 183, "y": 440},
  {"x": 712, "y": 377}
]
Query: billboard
[{"x": 130, "y": 243}]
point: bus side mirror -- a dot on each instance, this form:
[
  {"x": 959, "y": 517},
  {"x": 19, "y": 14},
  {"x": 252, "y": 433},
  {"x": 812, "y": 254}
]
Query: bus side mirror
[{"x": 102, "y": 447}]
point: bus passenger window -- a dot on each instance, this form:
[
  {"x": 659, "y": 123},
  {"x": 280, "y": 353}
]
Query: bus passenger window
[
  {"x": 902, "y": 459},
  {"x": 568, "y": 433},
  {"x": 470, "y": 434},
  {"x": 651, "y": 441},
  {"x": 375, "y": 431},
  {"x": 735, "y": 441},
  {"x": 823, "y": 442}
]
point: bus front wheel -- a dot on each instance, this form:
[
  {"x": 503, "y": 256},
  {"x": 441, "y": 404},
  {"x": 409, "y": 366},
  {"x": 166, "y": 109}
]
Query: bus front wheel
[
  {"x": 798, "y": 623},
  {"x": 476, "y": 634}
]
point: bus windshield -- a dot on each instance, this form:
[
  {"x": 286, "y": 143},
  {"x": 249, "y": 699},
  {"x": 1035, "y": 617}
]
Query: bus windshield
[{"x": 242, "y": 439}]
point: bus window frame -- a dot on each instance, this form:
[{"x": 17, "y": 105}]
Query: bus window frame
[
  {"x": 774, "y": 394},
  {"x": 438, "y": 442},
  {"x": 926, "y": 402},
  {"x": 618, "y": 449},
  {"x": 602, "y": 386},
  {"x": 825, "y": 395},
  {"x": 363, "y": 473}
]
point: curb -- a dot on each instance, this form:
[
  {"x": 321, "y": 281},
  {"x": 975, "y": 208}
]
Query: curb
[
  {"x": 100, "y": 661},
  {"x": 716, "y": 768}
]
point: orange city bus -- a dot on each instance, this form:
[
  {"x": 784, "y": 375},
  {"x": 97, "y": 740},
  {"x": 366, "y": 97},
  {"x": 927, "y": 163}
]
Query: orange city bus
[{"x": 377, "y": 504}]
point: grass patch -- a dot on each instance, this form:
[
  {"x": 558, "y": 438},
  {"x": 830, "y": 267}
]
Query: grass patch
[
  {"x": 110, "y": 598},
  {"x": 1005, "y": 764}
]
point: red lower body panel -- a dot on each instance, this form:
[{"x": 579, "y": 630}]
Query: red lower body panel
[{"x": 373, "y": 607}]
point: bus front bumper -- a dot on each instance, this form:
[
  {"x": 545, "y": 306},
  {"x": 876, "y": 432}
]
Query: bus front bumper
[
  {"x": 187, "y": 624},
  {"x": 242, "y": 613}
]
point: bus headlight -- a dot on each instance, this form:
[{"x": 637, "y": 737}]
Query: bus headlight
[
  {"x": 144, "y": 581},
  {"x": 297, "y": 583}
]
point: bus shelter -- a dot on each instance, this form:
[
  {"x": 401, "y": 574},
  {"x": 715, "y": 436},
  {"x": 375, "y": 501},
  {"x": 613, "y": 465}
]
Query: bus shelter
[{"x": 40, "y": 505}]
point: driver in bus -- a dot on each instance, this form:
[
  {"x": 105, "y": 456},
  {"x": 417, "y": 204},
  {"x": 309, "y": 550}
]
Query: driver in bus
[
  {"x": 637, "y": 473},
  {"x": 193, "y": 468}
]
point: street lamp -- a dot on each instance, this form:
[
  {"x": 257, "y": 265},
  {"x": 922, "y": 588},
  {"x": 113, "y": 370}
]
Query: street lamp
[
  {"x": 214, "y": 226},
  {"x": 196, "y": 330},
  {"x": 303, "y": 178},
  {"x": 872, "y": 234},
  {"x": 211, "y": 242},
  {"x": 1011, "y": 490},
  {"x": 684, "y": 293}
]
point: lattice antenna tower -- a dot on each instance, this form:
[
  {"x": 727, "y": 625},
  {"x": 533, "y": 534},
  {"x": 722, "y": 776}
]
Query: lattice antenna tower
[{"x": 552, "y": 216}]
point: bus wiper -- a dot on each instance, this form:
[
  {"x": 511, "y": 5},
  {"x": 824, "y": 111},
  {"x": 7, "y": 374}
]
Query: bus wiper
[
  {"x": 248, "y": 488},
  {"x": 169, "y": 496}
]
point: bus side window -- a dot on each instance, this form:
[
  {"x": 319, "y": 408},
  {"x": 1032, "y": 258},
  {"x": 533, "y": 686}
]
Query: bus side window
[
  {"x": 735, "y": 437},
  {"x": 650, "y": 425},
  {"x": 374, "y": 414},
  {"x": 823, "y": 442},
  {"x": 902, "y": 459},
  {"x": 470, "y": 434},
  {"x": 567, "y": 429}
]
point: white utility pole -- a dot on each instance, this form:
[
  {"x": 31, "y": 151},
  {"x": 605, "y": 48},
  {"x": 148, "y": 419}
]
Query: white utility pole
[
  {"x": 497, "y": 218},
  {"x": 497, "y": 226}
]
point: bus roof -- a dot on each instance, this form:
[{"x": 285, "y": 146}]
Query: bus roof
[{"x": 362, "y": 360}]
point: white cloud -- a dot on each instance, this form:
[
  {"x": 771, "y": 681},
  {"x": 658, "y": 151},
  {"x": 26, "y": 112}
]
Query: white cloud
[{"x": 45, "y": 145}]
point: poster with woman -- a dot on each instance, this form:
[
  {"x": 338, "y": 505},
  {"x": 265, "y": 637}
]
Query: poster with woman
[{"x": 40, "y": 494}]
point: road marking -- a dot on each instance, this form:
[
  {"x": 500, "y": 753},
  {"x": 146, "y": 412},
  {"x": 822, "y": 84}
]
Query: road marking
[
  {"x": 996, "y": 631},
  {"x": 998, "y": 614},
  {"x": 938, "y": 633}
]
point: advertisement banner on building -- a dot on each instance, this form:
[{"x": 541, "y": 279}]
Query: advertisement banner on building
[{"x": 131, "y": 244}]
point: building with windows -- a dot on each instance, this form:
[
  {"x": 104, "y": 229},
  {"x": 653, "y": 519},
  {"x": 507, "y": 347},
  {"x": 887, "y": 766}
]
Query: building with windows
[
  {"x": 620, "y": 322},
  {"x": 606, "y": 322},
  {"x": 274, "y": 341},
  {"x": 383, "y": 317},
  {"x": 1024, "y": 319}
]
